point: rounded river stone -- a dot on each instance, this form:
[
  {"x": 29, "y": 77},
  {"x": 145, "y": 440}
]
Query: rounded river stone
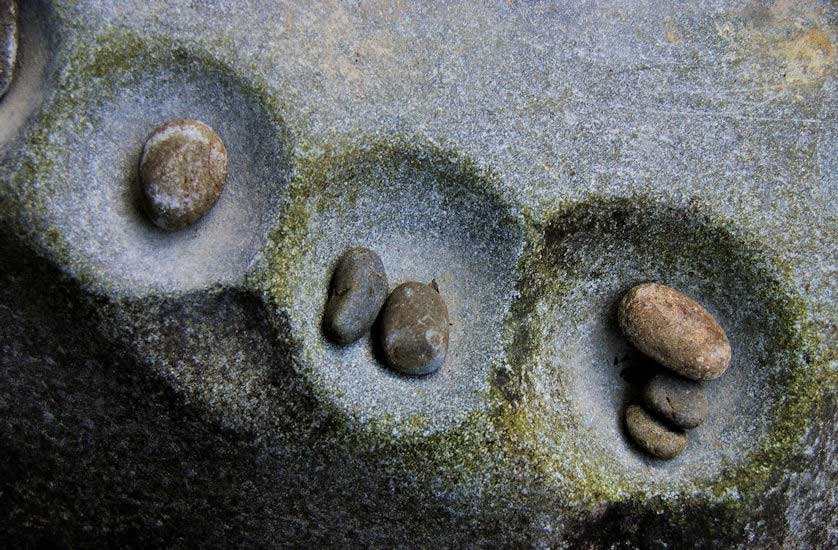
[
  {"x": 670, "y": 327},
  {"x": 356, "y": 295},
  {"x": 414, "y": 329},
  {"x": 8, "y": 43},
  {"x": 678, "y": 400},
  {"x": 182, "y": 173},
  {"x": 652, "y": 435}
]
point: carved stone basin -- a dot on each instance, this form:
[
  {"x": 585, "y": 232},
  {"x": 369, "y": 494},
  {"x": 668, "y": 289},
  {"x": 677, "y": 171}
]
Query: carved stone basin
[{"x": 537, "y": 160}]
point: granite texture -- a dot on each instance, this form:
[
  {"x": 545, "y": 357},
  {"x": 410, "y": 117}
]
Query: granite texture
[
  {"x": 8, "y": 43},
  {"x": 537, "y": 159}
]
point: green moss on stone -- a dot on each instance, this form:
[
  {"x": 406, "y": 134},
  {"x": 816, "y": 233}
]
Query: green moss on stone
[{"x": 325, "y": 182}]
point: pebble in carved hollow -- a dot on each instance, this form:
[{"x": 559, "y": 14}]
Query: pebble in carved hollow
[
  {"x": 414, "y": 329},
  {"x": 182, "y": 173},
  {"x": 673, "y": 329},
  {"x": 652, "y": 435},
  {"x": 357, "y": 292},
  {"x": 680, "y": 401}
]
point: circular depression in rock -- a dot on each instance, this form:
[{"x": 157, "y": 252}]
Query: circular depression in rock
[
  {"x": 93, "y": 192},
  {"x": 576, "y": 370},
  {"x": 35, "y": 69},
  {"x": 428, "y": 217}
]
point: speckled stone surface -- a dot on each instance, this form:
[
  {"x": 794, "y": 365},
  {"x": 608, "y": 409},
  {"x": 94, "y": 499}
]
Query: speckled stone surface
[
  {"x": 538, "y": 159},
  {"x": 8, "y": 43}
]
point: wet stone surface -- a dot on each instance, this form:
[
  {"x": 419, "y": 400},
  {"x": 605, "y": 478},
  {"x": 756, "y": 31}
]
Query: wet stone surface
[
  {"x": 670, "y": 327},
  {"x": 8, "y": 43},
  {"x": 182, "y": 172},
  {"x": 357, "y": 293},
  {"x": 680, "y": 401},
  {"x": 652, "y": 435},
  {"x": 414, "y": 329}
]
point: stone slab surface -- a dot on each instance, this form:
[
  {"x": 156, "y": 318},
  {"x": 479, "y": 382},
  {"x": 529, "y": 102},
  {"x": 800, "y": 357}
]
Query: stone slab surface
[{"x": 536, "y": 158}]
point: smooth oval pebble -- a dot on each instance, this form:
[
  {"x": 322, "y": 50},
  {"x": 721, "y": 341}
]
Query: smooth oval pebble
[
  {"x": 414, "y": 329},
  {"x": 678, "y": 400},
  {"x": 357, "y": 292},
  {"x": 182, "y": 173},
  {"x": 652, "y": 435},
  {"x": 8, "y": 43},
  {"x": 670, "y": 327}
]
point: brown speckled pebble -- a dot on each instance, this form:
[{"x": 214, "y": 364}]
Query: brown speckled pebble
[
  {"x": 652, "y": 435},
  {"x": 182, "y": 173},
  {"x": 414, "y": 329},
  {"x": 670, "y": 327},
  {"x": 357, "y": 293},
  {"x": 8, "y": 43},
  {"x": 680, "y": 401}
]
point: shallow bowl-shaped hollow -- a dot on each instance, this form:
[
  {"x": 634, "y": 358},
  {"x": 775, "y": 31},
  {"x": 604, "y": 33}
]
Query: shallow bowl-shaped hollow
[
  {"x": 428, "y": 217},
  {"x": 574, "y": 373},
  {"x": 91, "y": 170}
]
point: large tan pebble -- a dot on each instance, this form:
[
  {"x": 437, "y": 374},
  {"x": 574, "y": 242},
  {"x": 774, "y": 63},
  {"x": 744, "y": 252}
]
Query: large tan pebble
[
  {"x": 182, "y": 173},
  {"x": 670, "y": 327}
]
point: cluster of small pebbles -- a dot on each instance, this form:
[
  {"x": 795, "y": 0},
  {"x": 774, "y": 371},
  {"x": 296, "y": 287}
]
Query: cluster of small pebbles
[
  {"x": 671, "y": 328},
  {"x": 413, "y": 320}
]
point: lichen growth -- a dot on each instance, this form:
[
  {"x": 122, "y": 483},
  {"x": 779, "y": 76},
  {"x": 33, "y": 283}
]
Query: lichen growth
[
  {"x": 325, "y": 182},
  {"x": 320, "y": 182}
]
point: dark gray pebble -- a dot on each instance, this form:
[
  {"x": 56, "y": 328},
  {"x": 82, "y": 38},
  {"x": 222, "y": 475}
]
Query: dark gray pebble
[
  {"x": 414, "y": 329},
  {"x": 357, "y": 293},
  {"x": 678, "y": 400},
  {"x": 652, "y": 435}
]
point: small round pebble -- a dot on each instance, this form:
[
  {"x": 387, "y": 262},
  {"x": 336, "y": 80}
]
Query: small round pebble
[
  {"x": 670, "y": 327},
  {"x": 357, "y": 293},
  {"x": 678, "y": 400},
  {"x": 652, "y": 435},
  {"x": 414, "y": 329},
  {"x": 8, "y": 43},
  {"x": 182, "y": 173}
]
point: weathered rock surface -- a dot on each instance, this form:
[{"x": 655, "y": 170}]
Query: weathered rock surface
[
  {"x": 188, "y": 425},
  {"x": 8, "y": 43}
]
